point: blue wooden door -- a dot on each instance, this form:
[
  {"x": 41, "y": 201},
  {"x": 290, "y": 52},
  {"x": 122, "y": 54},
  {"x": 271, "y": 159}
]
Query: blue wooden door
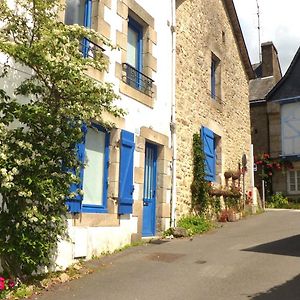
[{"x": 149, "y": 197}]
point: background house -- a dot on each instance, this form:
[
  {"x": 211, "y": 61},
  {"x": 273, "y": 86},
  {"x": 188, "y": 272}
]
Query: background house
[
  {"x": 213, "y": 72},
  {"x": 268, "y": 73},
  {"x": 283, "y": 110}
]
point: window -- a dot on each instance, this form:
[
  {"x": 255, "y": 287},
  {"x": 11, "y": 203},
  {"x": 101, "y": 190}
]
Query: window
[
  {"x": 290, "y": 128},
  {"x": 95, "y": 170},
  {"x": 294, "y": 181},
  {"x": 80, "y": 12},
  {"x": 215, "y": 78},
  {"x": 135, "y": 44},
  {"x": 134, "y": 63},
  {"x": 93, "y": 152}
]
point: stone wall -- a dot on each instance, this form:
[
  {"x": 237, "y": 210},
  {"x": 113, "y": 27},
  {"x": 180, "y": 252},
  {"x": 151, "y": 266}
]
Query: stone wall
[
  {"x": 259, "y": 128},
  {"x": 203, "y": 30}
]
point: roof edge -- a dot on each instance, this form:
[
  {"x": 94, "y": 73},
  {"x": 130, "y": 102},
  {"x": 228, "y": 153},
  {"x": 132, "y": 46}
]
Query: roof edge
[{"x": 237, "y": 30}]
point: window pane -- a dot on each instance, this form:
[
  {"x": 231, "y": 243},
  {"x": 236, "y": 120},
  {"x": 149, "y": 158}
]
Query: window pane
[
  {"x": 75, "y": 12},
  {"x": 94, "y": 169},
  {"x": 298, "y": 180},
  {"x": 213, "y": 79},
  {"x": 132, "y": 48},
  {"x": 292, "y": 181}
]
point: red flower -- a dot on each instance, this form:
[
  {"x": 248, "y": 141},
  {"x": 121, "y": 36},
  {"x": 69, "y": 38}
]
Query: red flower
[
  {"x": 266, "y": 156},
  {"x": 2, "y": 283},
  {"x": 11, "y": 284}
]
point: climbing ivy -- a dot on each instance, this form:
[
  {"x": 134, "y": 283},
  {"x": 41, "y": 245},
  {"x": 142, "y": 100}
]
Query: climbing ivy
[{"x": 200, "y": 187}]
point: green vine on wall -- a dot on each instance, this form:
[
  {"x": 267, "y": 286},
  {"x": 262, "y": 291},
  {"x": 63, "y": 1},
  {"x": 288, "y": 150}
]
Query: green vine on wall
[{"x": 200, "y": 187}]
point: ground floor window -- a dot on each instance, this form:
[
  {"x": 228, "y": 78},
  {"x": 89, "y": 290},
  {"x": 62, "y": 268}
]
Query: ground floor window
[
  {"x": 95, "y": 170},
  {"x": 294, "y": 181}
]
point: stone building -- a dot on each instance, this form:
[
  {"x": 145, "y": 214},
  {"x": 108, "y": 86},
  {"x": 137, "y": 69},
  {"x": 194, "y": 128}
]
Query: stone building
[
  {"x": 283, "y": 113},
  {"x": 268, "y": 73},
  {"x": 134, "y": 199},
  {"x": 213, "y": 72},
  {"x": 127, "y": 177}
]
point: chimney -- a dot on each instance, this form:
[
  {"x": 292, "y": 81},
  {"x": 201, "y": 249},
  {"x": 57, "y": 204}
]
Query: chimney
[{"x": 270, "y": 62}]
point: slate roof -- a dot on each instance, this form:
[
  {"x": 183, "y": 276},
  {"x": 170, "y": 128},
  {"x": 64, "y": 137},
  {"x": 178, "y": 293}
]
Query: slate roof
[
  {"x": 260, "y": 87},
  {"x": 286, "y": 75}
]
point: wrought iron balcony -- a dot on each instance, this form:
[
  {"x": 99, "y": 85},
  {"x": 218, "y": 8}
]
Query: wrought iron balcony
[
  {"x": 137, "y": 80},
  {"x": 90, "y": 49}
]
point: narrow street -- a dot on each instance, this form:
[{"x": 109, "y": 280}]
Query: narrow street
[{"x": 255, "y": 258}]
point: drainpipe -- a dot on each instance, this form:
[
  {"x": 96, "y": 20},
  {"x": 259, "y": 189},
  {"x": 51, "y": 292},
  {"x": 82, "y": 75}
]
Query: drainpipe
[{"x": 173, "y": 116}]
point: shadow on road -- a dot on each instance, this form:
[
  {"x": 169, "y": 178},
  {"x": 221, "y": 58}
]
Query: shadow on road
[
  {"x": 289, "y": 246},
  {"x": 289, "y": 290}
]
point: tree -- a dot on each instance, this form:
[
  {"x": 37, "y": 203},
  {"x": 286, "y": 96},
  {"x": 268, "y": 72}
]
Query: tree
[{"x": 37, "y": 155}]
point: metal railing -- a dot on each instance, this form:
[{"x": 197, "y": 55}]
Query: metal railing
[
  {"x": 90, "y": 49},
  {"x": 137, "y": 79}
]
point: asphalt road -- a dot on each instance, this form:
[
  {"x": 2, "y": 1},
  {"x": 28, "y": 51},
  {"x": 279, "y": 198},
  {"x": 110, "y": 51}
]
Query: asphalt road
[{"x": 255, "y": 258}]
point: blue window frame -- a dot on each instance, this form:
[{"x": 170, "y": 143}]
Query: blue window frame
[
  {"x": 135, "y": 44},
  {"x": 209, "y": 149},
  {"x": 134, "y": 54},
  {"x": 93, "y": 153},
  {"x": 80, "y": 12},
  {"x": 95, "y": 172}
]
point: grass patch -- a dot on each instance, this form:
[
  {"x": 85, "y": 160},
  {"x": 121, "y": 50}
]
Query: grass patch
[{"x": 195, "y": 224}]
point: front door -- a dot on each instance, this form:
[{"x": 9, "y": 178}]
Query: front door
[{"x": 149, "y": 197}]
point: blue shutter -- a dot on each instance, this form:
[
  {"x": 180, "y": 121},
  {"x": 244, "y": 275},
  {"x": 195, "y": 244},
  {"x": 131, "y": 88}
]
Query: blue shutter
[
  {"x": 74, "y": 204},
  {"x": 126, "y": 186},
  {"x": 208, "y": 140}
]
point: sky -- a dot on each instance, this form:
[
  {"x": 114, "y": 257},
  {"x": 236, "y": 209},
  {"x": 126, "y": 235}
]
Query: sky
[{"x": 280, "y": 23}]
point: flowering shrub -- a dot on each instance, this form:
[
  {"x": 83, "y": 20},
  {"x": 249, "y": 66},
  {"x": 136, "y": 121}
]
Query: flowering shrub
[
  {"x": 269, "y": 166},
  {"x": 60, "y": 99},
  {"x": 6, "y": 285}
]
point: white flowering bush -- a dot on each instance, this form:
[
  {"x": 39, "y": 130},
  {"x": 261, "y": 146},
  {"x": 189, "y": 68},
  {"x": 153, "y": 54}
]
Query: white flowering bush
[{"x": 35, "y": 156}]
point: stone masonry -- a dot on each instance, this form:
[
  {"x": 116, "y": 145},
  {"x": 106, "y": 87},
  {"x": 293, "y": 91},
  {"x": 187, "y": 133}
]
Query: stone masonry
[{"x": 204, "y": 29}]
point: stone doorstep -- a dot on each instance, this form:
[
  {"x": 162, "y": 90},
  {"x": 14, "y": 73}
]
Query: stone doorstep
[{"x": 150, "y": 238}]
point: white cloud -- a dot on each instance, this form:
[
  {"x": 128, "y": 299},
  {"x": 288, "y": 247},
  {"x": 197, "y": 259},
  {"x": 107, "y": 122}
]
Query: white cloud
[{"x": 280, "y": 24}]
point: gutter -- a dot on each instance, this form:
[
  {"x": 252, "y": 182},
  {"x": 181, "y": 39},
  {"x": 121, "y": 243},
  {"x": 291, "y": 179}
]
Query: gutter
[{"x": 173, "y": 116}]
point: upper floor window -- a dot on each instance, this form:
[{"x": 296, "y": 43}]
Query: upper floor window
[
  {"x": 135, "y": 45},
  {"x": 215, "y": 78},
  {"x": 290, "y": 129},
  {"x": 134, "y": 62},
  {"x": 78, "y": 12}
]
